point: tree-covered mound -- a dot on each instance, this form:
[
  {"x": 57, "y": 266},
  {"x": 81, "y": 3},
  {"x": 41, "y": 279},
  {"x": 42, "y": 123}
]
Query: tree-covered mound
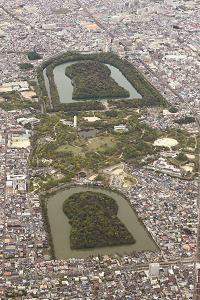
[
  {"x": 92, "y": 80},
  {"x": 93, "y": 217}
]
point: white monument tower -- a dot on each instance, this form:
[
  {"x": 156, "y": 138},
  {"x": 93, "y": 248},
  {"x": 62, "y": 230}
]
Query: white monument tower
[
  {"x": 107, "y": 47},
  {"x": 75, "y": 121}
]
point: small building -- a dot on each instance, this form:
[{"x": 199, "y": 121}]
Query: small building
[
  {"x": 154, "y": 269},
  {"x": 120, "y": 128}
]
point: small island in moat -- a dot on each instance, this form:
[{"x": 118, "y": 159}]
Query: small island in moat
[
  {"x": 92, "y": 80},
  {"x": 94, "y": 222}
]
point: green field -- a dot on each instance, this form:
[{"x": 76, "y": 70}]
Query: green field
[
  {"x": 69, "y": 148},
  {"x": 101, "y": 143}
]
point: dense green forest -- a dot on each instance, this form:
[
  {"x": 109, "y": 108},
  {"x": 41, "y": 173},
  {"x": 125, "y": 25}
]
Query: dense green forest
[
  {"x": 75, "y": 107},
  {"x": 92, "y": 80},
  {"x": 13, "y": 100},
  {"x": 26, "y": 66},
  {"x": 185, "y": 120},
  {"x": 33, "y": 55},
  {"x": 93, "y": 217}
]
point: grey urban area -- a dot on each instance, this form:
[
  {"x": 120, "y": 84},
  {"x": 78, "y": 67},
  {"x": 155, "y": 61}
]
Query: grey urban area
[{"x": 162, "y": 40}]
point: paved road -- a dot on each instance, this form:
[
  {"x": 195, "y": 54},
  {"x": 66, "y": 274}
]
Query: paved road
[{"x": 5, "y": 195}]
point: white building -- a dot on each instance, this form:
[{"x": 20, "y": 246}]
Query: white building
[
  {"x": 154, "y": 269},
  {"x": 120, "y": 128}
]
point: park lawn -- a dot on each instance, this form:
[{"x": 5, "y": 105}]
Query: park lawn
[
  {"x": 101, "y": 143},
  {"x": 69, "y": 148}
]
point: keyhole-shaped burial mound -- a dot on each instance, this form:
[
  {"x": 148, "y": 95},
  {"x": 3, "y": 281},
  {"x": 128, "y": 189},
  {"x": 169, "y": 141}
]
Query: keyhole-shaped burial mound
[
  {"x": 94, "y": 222},
  {"x": 92, "y": 80}
]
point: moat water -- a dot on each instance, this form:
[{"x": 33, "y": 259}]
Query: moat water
[{"x": 65, "y": 87}]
